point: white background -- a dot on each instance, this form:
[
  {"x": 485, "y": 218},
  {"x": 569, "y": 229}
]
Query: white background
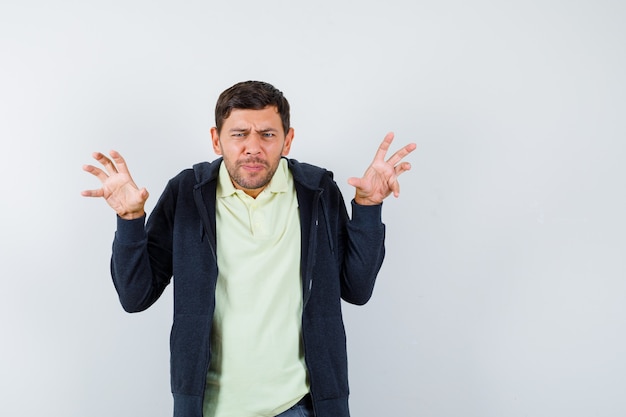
[{"x": 504, "y": 289}]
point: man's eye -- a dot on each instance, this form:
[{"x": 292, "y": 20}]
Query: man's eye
[
  {"x": 268, "y": 135},
  {"x": 238, "y": 135}
]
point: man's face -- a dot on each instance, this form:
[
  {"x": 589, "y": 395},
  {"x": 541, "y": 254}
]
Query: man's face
[{"x": 251, "y": 143}]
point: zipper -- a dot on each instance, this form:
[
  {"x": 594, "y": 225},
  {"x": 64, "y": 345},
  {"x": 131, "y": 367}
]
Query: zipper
[
  {"x": 311, "y": 256},
  {"x": 309, "y": 282},
  {"x": 328, "y": 232},
  {"x": 206, "y": 231},
  {"x": 204, "y": 216}
]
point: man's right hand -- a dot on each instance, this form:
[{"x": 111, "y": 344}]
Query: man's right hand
[{"x": 118, "y": 188}]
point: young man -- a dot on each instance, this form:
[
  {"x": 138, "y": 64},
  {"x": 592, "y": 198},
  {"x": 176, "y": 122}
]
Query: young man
[{"x": 262, "y": 251}]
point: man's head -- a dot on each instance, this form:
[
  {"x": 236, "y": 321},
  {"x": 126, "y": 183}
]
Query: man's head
[
  {"x": 252, "y": 133},
  {"x": 251, "y": 95}
]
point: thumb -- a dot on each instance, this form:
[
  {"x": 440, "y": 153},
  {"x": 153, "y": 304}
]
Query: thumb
[
  {"x": 355, "y": 182},
  {"x": 143, "y": 193}
]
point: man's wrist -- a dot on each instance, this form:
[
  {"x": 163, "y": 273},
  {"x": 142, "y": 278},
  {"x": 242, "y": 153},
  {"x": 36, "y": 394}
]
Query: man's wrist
[
  {"x": 133, "y": 215},
  {"x": 366, "y": 201}
]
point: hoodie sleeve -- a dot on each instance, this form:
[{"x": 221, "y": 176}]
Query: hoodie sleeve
[
  {"x": 359, "y": 243},
  {"x": 364, "y": 252},
  {"x": 141, "y": 262}
]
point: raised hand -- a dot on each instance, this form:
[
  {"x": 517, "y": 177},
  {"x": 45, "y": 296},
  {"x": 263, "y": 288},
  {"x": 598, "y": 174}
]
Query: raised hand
[
  {"x": 118, "y": 188},
  {"x": 381, "y": 177}
]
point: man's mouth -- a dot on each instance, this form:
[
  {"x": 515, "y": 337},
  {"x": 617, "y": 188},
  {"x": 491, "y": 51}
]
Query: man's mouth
[{"x": 253, "y": 166}]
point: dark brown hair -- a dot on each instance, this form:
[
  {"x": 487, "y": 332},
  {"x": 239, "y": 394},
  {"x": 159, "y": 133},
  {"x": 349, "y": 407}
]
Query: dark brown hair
[{"x": 252, "y": 95}]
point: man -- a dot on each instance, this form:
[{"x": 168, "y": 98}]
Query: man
[{"x": 262, "y": 251}]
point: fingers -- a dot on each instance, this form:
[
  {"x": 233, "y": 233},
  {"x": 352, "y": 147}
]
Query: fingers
[
  {"x": 400, "y": 154},
  {"x": 119, "y": 161},
  {"x": 400, "y": 168},
  {"x": 101, "y": 176},
  {"x": 97, "y": 172},
  {"x": 394, "y": 186},
  {"x": 93, "y": 193},
  {"x": 381, "y": 177},
  {"x": 115, "y": 166},
  {"x": 105, "y": 162},
  {"x": 384, "y": 147},
  {"x": 396, "y": 157}
]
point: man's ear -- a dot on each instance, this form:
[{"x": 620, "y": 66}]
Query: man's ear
[
  {"x": 288, "y": 140},
  {"x": 215, "y": 140}
]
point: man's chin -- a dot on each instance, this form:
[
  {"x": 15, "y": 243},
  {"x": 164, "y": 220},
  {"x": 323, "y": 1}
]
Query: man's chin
[{"x": 253, "y": 183}]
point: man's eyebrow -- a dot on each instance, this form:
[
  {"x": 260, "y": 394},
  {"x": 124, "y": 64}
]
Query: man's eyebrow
[{"x": 269, "y": 129}]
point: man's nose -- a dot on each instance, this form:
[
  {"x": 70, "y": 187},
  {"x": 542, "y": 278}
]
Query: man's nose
[{"x": 253, "y": 144}]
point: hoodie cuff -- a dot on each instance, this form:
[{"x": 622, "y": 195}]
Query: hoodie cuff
[
  {"x": 366, "y": 215},
  {"x": 130, "y": 231}
]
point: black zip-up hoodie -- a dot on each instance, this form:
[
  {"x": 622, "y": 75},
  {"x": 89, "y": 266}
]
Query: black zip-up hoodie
[{"x": 340, "y": 260}]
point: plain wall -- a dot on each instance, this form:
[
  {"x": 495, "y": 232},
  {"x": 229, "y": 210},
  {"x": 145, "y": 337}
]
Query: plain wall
[{"x": 503, "y": 292}]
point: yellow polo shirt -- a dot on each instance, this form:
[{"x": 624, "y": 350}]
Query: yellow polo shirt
[{"x": 257, "y": 366}]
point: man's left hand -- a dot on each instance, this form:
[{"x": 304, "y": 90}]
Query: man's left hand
[{"x": 381, "y": 177}]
